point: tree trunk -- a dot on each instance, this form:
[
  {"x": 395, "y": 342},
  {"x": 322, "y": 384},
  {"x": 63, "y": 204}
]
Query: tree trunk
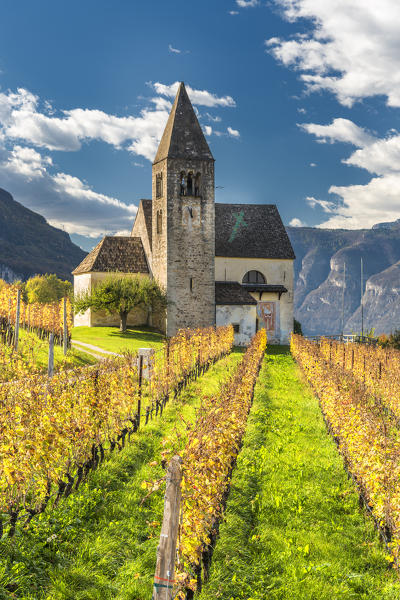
[{"x": 123, "y": 320}]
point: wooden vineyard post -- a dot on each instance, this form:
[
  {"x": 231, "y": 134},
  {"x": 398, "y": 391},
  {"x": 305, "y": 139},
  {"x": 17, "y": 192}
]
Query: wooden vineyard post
[
  {"x": 140, "y": 375},
  {"x": 50, "y": 367},
  {"x": 165, "y": 567},
  {"x": 17, "y": 318},
  {"x": 65, "y": 331}
]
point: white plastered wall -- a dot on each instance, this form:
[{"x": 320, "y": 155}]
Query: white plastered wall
[
  {"x": 243, "y": 315},
  {"x": 90, "y": 318},
  {"x": 276, "y": 272}
]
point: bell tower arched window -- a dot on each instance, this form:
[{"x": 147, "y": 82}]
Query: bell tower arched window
[
  {"x": 254, "y": 277},
  {"x": 190, "y": 185},
  {"x": 197, "y": 185},
  {"x": 182, "y": 184}
]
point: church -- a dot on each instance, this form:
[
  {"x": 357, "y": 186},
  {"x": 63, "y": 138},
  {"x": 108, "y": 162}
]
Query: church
[{"x": 219, "y": 263}]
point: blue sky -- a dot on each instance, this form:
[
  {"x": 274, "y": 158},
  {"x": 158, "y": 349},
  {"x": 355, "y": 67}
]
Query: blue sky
[{"x": 291, "y": 90}]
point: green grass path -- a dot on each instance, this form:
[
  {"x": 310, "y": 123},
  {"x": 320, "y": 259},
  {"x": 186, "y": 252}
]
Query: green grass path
[
  {"x": 110, "y": 338},
  {"x": 293, "y": 528},
  {"x": 100, "y": 544}
]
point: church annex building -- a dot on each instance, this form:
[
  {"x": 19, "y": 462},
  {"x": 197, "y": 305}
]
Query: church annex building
[{"x": 219, "y": 263}]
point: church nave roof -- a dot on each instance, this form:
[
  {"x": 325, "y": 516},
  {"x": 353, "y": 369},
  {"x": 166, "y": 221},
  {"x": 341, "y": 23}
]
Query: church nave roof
[{"x": 115, "y": 254}]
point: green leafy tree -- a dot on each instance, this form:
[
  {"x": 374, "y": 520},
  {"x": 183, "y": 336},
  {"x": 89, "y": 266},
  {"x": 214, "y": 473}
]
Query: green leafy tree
[
  {"x": 119, "y": 295},
  {"x": 390, "y": 341},
  {"x": 297, "y": 327},
  {"x": 47, "y": 288}
]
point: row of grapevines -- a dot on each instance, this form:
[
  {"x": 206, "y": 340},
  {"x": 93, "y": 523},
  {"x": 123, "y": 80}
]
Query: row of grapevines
[
  {"x": 52, "y": 432},
  {"x": 213, "y": 444},
  {"x": 378, "y": 368},
  {"x": 366, "y": 433},
  {"x": 17, "y": 365},
  {"x": 41, "y": 318}
]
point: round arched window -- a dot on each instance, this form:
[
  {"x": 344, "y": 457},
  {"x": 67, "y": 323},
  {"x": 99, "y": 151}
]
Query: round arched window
[{"x": 253, "y": 277}]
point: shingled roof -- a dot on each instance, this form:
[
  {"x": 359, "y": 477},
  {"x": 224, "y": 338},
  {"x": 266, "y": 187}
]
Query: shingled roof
[
  {"x": 231, "y": 292},
  {"x": 262, "y": 236},
  {"x": 250, "y": 231},
  {"x": 115, "y": 254},
  {"x": 183, "y": 136}
]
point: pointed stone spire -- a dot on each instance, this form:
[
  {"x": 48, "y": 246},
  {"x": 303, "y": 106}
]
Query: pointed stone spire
[{"x": 183, "y": 136}]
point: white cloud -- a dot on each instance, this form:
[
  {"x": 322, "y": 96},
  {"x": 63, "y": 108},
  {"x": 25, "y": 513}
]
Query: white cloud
[
  {"x": 233, "y": 12},
  {"x": 247, "y": 3},
  {"x": 216, "y": 119},
  {"x": 340, "y": 130},
  {"x": 29, "y": 126},
  {"x": 302, "y": 111},
  {"x": 381, "y": 157},
  {"x": 27, "y": 162},
  {"x": 295, "y": 222},
  {"x": 21, "y": 119},
  {"x": 328, "y": 207},
  {"x": 359, "y": 206},
  {"x": 351, "y": 50},
  {"x": 201, "y": 97},
  {"x": 364, "y": 205},
  {"x": 312, "y": 164},
  {"x": 378, "y": 156},
  {"x": 233, "y": 132},
  {"x": 174, "y": 50},
  {"x": 65, "y": 201},
  {"x": 208, "y": 130}
]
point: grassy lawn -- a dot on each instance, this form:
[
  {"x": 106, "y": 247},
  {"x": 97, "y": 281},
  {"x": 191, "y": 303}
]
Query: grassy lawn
[
  {"x": 37, "y": 350},
  {"x": 100, "y": 543},
  {"x": 293, "y": 527},
  {"x": 110, "y": 338}
]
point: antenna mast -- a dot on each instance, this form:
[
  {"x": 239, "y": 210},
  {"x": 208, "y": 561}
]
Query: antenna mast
[
  {"x": 362, "y": 300},
  {"x": 344, "y": 289}
]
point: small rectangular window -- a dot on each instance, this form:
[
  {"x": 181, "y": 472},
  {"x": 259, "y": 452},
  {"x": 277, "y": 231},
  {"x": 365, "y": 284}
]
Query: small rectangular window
[
  {"x": 236, "y": 327},
  {"x": 159, "y": 221},
  {"x": 159, "y": 185},
  {"x": 191, "y": 284}
]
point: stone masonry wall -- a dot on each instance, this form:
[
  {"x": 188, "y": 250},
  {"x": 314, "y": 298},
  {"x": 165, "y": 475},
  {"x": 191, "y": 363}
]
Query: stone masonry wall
[{"x": 185, "y": 250}]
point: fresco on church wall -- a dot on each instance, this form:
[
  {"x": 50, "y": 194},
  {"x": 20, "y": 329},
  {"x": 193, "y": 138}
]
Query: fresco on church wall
[{"x": 266, "y": 312}]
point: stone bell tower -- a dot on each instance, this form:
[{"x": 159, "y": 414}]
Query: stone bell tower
[{"x": 183, "y": 224}]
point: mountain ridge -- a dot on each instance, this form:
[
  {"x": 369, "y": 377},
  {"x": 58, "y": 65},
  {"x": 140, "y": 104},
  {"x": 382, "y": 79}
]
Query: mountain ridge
[
  {"x": 30, "y": 246},
  {"x": 319, "y": 273}
]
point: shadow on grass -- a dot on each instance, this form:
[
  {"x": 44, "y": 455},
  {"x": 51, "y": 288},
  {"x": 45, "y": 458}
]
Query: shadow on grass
[
  {"x": 144, "y": 333},
  {"x": 276, "y": 350}
]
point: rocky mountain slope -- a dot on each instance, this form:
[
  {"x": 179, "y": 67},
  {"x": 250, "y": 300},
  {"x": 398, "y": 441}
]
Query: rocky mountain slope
[
  {"x": 319, "y": 266},
  {"x": 29, "y": 245}
]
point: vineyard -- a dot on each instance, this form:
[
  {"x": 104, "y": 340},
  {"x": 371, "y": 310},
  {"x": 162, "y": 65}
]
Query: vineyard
[
  {"x": 378, "y": 369},
  {"x": 264, "y": 501},
  {"x": 358, "y": 389},
  {"x": 54, "y": 432},
  {"x": 42, "y": 319}
]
